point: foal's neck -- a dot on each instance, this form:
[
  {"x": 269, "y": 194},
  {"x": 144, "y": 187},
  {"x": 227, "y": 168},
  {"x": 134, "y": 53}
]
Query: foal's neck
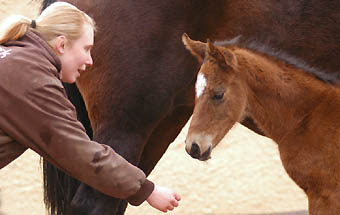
[{"x": 280, "y": 98}]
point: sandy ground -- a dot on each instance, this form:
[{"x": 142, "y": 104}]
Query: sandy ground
[{"x": 244, "y": 176}]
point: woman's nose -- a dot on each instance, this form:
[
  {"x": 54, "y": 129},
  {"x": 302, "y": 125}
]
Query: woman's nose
[{"x": 89, "y": 61}]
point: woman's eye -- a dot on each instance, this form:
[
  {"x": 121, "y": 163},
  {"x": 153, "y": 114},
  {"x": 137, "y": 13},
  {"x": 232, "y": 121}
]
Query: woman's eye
[{"x": 218, "y": 96}]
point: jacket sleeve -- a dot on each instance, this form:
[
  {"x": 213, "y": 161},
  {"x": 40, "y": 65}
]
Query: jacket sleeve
[{"x": 45, "y": 121}]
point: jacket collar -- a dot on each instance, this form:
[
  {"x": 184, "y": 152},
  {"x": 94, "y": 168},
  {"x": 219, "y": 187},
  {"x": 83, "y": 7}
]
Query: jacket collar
[{"x": 36, "y": 38}]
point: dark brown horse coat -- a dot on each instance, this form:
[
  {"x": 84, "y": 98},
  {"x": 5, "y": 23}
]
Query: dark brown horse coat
[{"x": 140, "y": 92}]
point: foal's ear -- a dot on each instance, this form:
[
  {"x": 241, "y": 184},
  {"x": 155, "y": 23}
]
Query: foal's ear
[
  {"x": 196, "y": 48},
  {"x": 217, "y": 54},
  {"x": 229, "y": 57},
  {"x": 223, "y": 56}
]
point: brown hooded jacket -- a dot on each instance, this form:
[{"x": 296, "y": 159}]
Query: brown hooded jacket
[{"x": 35, "y": 113}]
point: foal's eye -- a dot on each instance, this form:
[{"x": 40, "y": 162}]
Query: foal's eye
[{"x": 218, "y": 96}]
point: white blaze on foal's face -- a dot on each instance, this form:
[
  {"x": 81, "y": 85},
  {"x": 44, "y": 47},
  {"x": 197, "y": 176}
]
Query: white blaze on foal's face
[{"x": 201, "y": 83}]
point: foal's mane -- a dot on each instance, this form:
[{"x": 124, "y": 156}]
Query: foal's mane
[{"x": 254, "y": 45}]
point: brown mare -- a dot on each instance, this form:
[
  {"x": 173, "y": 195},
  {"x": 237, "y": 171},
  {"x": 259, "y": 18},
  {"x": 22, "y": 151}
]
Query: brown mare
[
  {"x": 299, "y": 112},
  {"x": 140, "y": 91}
]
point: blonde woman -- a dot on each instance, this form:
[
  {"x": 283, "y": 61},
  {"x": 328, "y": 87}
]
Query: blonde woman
[{"x": 35, "y": 56}]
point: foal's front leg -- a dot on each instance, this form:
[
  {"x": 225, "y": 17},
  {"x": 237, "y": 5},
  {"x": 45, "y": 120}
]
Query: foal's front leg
[
  {"x": 312, "y": 163},
  {"x": 325, "y": 203}
]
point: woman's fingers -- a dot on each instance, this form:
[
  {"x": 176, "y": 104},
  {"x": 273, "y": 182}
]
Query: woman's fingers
[
  {"x": 177, "y": 197},
  {"x": 174, "y": 203},
  {"x": 170, "y": 208}
]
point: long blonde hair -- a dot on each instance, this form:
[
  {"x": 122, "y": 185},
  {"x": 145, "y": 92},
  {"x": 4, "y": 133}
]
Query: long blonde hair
[{"x": 60, "y": 18}]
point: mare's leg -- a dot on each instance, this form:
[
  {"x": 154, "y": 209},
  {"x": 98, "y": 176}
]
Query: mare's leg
[
  {"x": 165, "y": 133},
  {"x": 88, "y": 201},
  {"x": 162, "y": 136}
]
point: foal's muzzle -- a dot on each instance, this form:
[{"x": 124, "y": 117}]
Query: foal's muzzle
[{"x": 195, "y": 152}]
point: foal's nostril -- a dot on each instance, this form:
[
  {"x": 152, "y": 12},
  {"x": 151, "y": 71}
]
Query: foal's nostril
[
  {"x": 206, "y": 154},
  {"x": 195, "y": 151}
]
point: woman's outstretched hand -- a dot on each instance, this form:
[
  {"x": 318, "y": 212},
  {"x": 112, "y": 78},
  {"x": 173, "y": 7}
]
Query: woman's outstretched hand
[{"x": 163, "y": 199}]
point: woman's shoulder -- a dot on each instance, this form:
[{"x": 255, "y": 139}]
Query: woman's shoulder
[
  {"x": 28, "y": 63},
  {"x": 29, "y": 49}
]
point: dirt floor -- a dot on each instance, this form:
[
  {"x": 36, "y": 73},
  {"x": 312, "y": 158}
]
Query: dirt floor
[{"x": 244, "y": 176}]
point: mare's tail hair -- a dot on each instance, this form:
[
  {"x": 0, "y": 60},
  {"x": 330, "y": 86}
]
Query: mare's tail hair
[
  {"x": 59, "y": 188},
  {"x": 58, "y": 191}
]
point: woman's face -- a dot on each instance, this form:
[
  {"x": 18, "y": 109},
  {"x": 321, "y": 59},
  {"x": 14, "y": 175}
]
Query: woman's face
[{"x": 76, "y": 56}]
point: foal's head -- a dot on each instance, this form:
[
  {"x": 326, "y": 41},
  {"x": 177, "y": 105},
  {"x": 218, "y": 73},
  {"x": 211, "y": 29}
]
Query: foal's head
[{"x": 220, "y": 97}]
